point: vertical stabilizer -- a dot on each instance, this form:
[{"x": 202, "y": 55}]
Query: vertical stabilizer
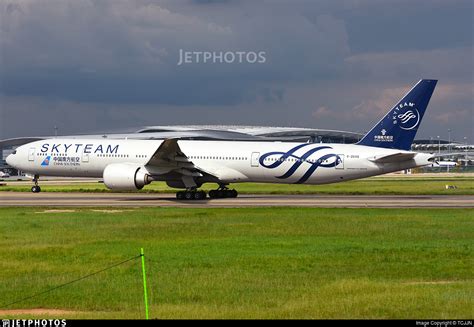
[{"x": 399, "y": 126}]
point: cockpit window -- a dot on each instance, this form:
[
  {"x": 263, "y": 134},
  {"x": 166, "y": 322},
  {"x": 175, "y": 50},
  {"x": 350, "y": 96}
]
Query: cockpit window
[{"x": 14, "y": 152}]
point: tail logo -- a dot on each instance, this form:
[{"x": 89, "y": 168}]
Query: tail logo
[
  {"x": 406, "y": 116},
  {"x": 325, "y": 161}
]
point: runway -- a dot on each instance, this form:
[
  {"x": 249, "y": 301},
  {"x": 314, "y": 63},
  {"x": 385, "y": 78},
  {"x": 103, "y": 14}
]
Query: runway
[{"x": 169, "y": 200}]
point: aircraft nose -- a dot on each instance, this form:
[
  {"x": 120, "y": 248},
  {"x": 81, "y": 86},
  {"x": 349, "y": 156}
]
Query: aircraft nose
[{"x": 10, "y": 159}]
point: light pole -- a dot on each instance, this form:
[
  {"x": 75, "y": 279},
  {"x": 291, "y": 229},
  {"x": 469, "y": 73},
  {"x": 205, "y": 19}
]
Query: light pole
[
  {"x": 439, "y": 144},
  {"x": 465, "y": 149},
  {"x": 449, "y": 139}
]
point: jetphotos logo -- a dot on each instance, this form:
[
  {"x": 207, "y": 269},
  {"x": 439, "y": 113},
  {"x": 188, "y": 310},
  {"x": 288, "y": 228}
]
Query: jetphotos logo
[
  {"x": 383, "y": 137},
  {"x": 406, "y": 116},
  {"x": 221, "y": 57},
  {"x": 46, "y": 161}
]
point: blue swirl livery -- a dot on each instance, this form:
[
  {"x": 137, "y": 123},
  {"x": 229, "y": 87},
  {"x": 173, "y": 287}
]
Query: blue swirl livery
[{"x": 313, "y": 164}]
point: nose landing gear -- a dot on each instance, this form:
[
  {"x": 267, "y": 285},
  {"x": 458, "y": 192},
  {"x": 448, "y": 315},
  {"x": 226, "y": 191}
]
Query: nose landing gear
[{"x": 36, "y": 188}]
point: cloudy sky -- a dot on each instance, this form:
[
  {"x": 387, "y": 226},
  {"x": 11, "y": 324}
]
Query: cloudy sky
[{"x": 98, "y": 65}]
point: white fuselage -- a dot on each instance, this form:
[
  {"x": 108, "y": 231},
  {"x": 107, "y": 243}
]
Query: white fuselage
[{"x": 230, "y": 161}]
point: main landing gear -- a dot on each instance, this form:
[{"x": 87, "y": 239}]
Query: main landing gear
[
  {"x": 36, "y": 188},
  {"x": 193, "y": 194},
  {"x": 223, "y": 192}
]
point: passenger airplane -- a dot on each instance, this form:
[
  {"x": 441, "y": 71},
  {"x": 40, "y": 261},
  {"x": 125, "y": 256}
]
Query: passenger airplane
[
  {"x": 131, "y": 164},
  {"x": 444, "y": 164}
]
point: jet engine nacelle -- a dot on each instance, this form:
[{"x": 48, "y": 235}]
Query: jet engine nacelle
[{"x": 126, "y": 177}]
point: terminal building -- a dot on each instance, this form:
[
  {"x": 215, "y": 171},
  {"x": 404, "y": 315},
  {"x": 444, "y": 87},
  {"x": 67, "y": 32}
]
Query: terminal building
[{"x": 461, "y": 153}]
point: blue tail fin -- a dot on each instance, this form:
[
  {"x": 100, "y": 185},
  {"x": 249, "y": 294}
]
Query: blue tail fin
[{"x": 398, "y": 128}]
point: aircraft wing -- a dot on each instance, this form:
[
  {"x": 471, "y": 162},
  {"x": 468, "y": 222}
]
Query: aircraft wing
[
  {"x": 396, "y": 157},
  {"x": 169, "y": 158}
]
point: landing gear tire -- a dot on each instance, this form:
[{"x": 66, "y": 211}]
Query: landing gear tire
[
  {"x": 188, "y": 195},
  {"x": 199, "y": 195},
  {"x": 180, "y": 195}
]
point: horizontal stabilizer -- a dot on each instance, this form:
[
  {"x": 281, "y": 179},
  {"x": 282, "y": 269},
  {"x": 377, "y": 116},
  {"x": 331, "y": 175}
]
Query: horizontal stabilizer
[{"x": 396, "y": 157}]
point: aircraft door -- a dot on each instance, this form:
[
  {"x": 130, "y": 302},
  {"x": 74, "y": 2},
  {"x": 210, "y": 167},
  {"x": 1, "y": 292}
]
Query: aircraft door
[
  {"x": 85, "y": 157},
  {"x": 31, "y": 154},
  {"x": 254, "y": 159}
]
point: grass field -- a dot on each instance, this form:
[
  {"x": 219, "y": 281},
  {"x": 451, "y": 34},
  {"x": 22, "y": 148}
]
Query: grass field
[
  {"x": 242, "y": 263},
  {"x": 368, "y": 186}
]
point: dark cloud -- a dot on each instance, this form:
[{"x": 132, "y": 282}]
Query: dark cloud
[
  {"x": 78, "y": 49},
  {"x": 328, "y": 64},
  {"x": 381, "y": 26}
]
